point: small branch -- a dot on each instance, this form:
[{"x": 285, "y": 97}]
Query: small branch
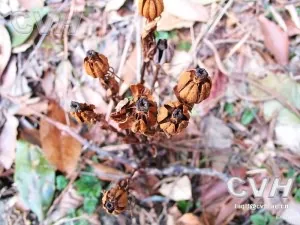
[
  {"x": 155, "y": 78},
  {"x": 178, "y": 170},
  {"x": 66, "y": 30},
  {"x": 143, "y": 70}
]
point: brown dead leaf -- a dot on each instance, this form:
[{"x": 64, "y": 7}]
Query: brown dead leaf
[
  {"x": 187, "y": 10},
  {"x": 8, "y": 142},
  {"x": 60, "y": 149},
  {"x": 276, "y": 40},
  {"x": 105, "y": 172},
  {"x": 189, "y": 219},
  {"x": 5, "y": 48}
]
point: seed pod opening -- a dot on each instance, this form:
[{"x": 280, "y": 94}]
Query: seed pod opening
[
  {"x": 138, "y": 114},
  {"x": 193, "y": 86},
  {"x": 173, "y": 117},
  {"x": 151, "y": 9},
  {"x": 96, "y": 64}
]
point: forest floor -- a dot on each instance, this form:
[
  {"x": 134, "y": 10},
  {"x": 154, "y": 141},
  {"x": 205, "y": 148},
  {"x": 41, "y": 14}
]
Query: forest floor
[{"x": 54, "y": 170}]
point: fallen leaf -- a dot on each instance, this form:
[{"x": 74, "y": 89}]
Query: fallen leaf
[
  {"x": 187, "y": 10},
  {"x": 34, "y": 178},
  {"x": 275, "y": 39},
  {"x": 63, "y": 75},
  {"x": 70, "y": 200},
  {"x": 5, "y": 48},
  {"x": 8, "y": 140},
  {"x": 21, "y": 27},
  {"x": 105, "y": 172},
  {"x": 291, "y": 214},
  {"x": 189, "y": 219},
  {"x": 216, "y": 134},
  {"x": 27, "y": 44},
  {"x": 170, "y": 22},
  {"x": 288, "y": 124},
  {"x": 32, "y": 4},
  {"x": 180, "y": 189},
  {"x": 114, "y": 5},
  {"x": 60, "y": 149}
]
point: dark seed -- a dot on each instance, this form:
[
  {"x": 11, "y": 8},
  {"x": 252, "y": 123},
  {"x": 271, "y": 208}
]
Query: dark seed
[
  {"x": 201, "y": 72},
  {"x": 91, "y": 53},
  {"x": 177, "y": 114},
  {"x": 142, "y": 105}
]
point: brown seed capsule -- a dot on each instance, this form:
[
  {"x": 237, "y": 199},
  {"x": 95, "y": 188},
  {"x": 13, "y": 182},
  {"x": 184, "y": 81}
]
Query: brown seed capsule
[
  {"x": 173, "y": 117},
  {"x": 115, "y": 200},
  {"x": 84, "y": 113},
  {"x": 151, "y": 9},
  {"x": 96, "y": 64},
  {"x": 138, "y": 114},
  {"x": 193, "y": 86}
]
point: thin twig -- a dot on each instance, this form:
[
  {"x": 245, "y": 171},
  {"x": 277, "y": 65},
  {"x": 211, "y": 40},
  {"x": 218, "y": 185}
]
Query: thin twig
[
  {"x": 66, "y": 30},
  {"x": 211, "y": 25},
  {"x": 155, "y": 78},
  {"x": 143, "y": 70},
  {"x": 178, "y": 170}
]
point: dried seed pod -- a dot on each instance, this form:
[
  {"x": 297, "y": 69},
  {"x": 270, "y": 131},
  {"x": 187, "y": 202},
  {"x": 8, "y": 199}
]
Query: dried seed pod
[
  {"x": 193, "y": 86},
  {"x": 115, "y": 200},
  {"x": 151, "y": 9},
  {"x": 84, "y": 113},
  {"x": 173, "y": 117},
  {"x": 96, "y": 64},
  {"x": 138, "y": 114},
  {"x": 148, "y": 41}
]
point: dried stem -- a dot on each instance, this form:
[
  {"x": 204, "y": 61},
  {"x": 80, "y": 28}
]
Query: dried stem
[
  {"x": 179, "y": 170},
  {"x": 66, "y": 30},
  {"x": 143, "y": 70},
  {"x": 155, "y": 78}
]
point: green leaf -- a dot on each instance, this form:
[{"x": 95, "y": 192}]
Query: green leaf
[
  {"x": 34, "y": 178},
  {"x": 258, "y": 219},
  {"x": 90, "y": 205},
  {"x": 61, "y": 182},
  {"x": 291, "y": 172},
  {"x": 184, "y": 206},
  {"x": 88, "y": 186},
  {"x": 298, "y": 179},
  {"x": 162, "y": 35},
  {"x": 248, "y": 116},
  {"x": 21, "y": 27},
  {"x": 297, "y": 195},
  {"x": 229, "y": 109},
  {"x": 184, "y": 45}
]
